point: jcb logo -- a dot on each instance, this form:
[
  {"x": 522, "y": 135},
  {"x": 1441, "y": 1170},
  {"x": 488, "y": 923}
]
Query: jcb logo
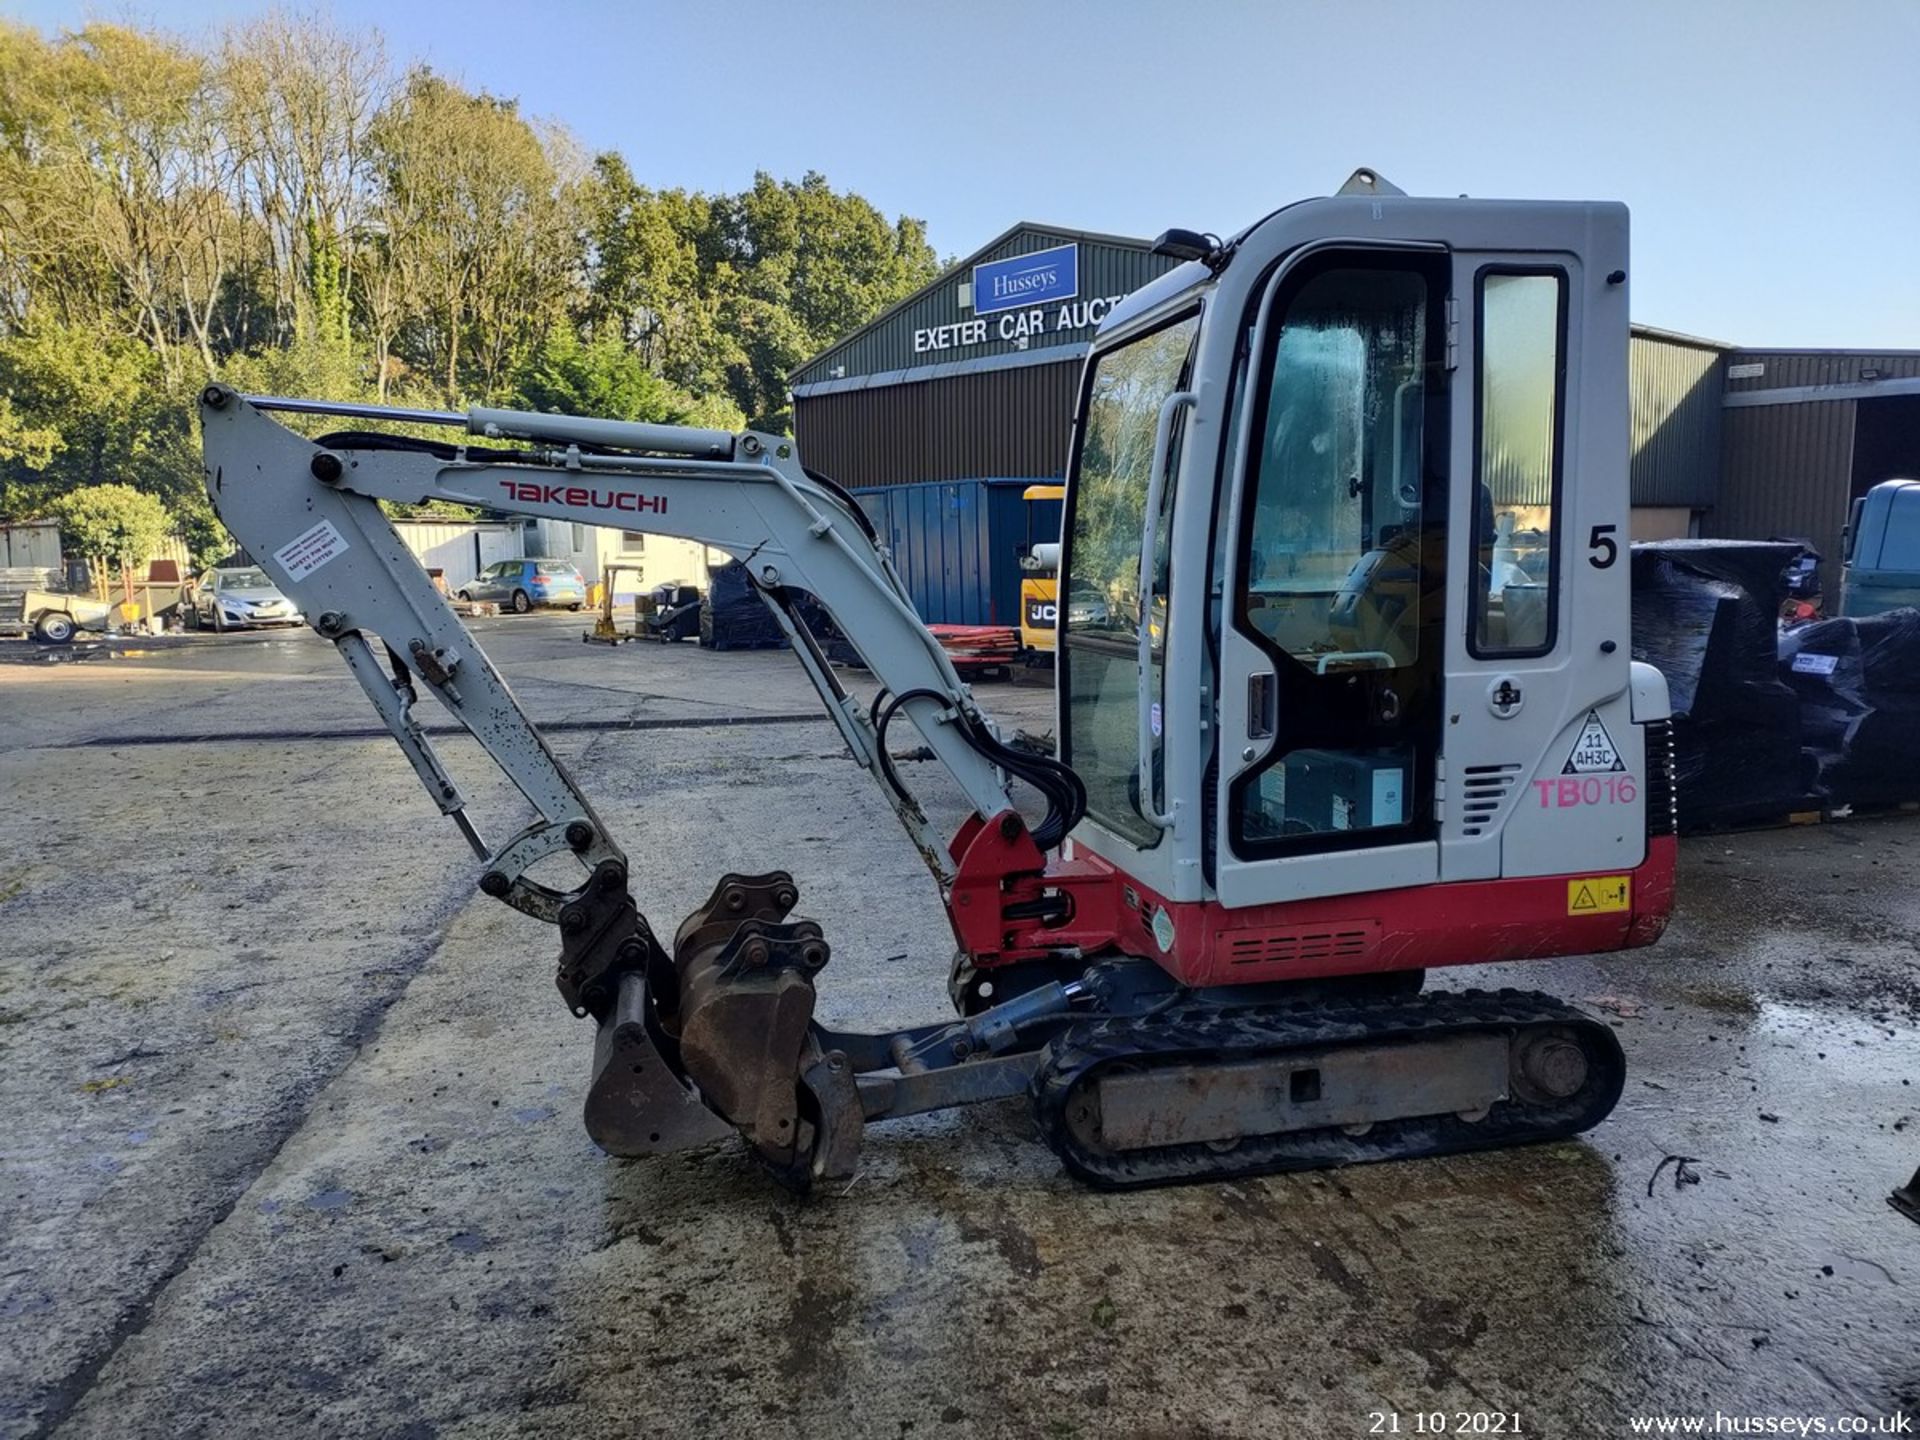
[{"x": 1042, "y": 614}]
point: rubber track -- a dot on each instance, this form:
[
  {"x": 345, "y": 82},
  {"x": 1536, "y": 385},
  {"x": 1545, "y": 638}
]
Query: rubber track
[{"x": 1202, "y": 1034}]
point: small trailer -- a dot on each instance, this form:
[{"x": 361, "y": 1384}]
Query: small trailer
[{"x": 53, "y": 617}]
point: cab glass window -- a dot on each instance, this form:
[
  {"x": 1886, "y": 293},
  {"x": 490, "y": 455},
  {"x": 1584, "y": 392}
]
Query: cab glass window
[
  {"x": 1342, "y": 565},
  {"x": 1520, "y": 330},
  {"x": 1331, "y": 563},
  {"x": 1101, "y": 587}
]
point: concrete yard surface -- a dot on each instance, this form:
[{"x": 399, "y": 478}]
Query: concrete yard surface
[{"x": 290, "y": 1138}]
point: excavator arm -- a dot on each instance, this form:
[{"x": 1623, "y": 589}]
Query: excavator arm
[{"x": 714, "y": 1022}]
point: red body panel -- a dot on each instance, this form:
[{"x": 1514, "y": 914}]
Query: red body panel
[
  {"x": 999, "y": 872},
  {"x": 1465, "y": 922}
]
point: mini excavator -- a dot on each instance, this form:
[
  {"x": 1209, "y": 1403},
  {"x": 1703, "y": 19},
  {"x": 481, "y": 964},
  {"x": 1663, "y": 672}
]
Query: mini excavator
[{"x": 1345, "y": 696}]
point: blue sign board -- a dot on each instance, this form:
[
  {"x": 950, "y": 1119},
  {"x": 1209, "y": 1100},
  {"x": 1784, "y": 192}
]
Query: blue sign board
[{"x": 1026, "y": 280}]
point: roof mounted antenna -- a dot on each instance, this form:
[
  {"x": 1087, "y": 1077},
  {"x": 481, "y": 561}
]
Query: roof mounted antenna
[{"x": 1369, "y": 182}]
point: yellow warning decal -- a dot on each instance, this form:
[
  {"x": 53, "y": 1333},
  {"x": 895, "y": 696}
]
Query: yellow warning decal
[{"x": 1599, "y": 894}]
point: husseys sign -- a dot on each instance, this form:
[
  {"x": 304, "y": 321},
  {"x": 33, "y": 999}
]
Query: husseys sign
[
  {"x": 1018, "y": 300},
  {"x": 1026, "y": 280}
]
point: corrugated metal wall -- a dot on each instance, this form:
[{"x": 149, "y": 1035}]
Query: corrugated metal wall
[
  {"x": 1676, "y": 388},
  {"x": 999, "y": 422},
  {"x": 32, "y": 543},
  {"x": 1786, "y": 470},
  {"x": 1787, "y": 369},
  {"x": 461, "y": 548},
  {"x": 956, "y": 546},
  {"x": 1787, "y": 467},
  {"x": 1108, "y": 267}
]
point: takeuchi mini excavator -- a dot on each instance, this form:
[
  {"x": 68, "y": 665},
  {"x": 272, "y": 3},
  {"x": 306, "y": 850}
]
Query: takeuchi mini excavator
[{"x": 1345, "y": 697}]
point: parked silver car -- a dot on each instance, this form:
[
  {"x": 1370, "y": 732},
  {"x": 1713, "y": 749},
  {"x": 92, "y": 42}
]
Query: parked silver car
[{"x": 237, "y": 598}]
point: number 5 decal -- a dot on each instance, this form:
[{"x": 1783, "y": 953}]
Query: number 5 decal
[{"x": 1605, "y": 549}]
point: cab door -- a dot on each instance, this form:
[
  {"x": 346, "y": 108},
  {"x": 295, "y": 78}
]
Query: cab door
[
  {"x": 1117, "y": 580},
  {"x": 1334, "y": 614}
]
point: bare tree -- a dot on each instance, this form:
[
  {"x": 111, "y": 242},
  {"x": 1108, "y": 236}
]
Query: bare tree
[
  {"x": 300, "y": 97},
  {"x": 474, "y": 249}
]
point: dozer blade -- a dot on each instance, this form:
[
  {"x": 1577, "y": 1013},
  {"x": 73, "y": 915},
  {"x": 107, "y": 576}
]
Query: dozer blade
[{"x": 636, "y": 1103}]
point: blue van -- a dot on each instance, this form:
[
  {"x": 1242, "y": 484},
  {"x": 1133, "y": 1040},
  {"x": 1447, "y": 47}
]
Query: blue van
[{"x": 1882, "y": 570}]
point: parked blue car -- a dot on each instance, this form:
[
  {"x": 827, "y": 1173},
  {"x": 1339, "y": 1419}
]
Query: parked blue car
[{"x": 520, "y": 585}]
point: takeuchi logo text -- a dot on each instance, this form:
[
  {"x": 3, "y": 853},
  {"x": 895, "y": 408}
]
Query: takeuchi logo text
[{"x": 530, "y": 492}]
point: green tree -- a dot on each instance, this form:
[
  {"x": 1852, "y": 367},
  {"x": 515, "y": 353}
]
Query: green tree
[
  {"x": 119, "y": 177},
  {"x": 109, "y": 523},
  {"x": 604, "y": 377},
  {"x": 106, "y": 414},
  {"x": 474, "y": 243},
  {"x": 810, "y": 264},
  {"x": 27, "y": 445},
  {"x": 298, "y": 99},
  {"x": 651, "y": 276},
  {"x": 284, "y": 209}
]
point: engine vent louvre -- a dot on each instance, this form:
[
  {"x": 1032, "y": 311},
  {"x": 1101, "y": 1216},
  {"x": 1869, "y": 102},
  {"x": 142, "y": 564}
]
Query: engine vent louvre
[
  {"x": 1483, "y": 790},
  {"x": 1663, "y": 799},
  {"x": 1334, "y": 940}
]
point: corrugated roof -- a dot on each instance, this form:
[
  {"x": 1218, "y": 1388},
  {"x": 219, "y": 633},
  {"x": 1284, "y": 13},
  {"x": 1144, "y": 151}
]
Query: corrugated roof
[{"x": 1679, "y": 337}]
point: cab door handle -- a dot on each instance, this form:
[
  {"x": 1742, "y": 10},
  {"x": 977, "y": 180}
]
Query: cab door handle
[{"x": 1263, "y": 705}]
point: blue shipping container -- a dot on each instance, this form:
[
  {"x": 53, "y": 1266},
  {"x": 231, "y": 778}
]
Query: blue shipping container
[{"x": 957, "y": 544}]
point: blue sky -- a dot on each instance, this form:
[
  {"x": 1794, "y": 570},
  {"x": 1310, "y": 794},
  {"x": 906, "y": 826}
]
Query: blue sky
[{"x": 1770, "y": 151}]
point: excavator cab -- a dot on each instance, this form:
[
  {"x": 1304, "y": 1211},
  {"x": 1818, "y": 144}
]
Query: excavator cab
[{"x": 1352, "y": 488}]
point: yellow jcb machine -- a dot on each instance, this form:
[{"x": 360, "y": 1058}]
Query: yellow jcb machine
[{"x": 1040, "y": 568}]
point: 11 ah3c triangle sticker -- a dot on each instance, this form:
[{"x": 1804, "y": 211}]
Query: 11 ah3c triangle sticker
[{"x": 1594, "y": 753}]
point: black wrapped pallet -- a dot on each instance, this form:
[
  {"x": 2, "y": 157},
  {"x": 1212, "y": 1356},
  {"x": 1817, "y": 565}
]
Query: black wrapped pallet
[
  {"x": 1858, "y": 686},
  {"x": 1706, "y": 614},
  {"x": 733, "y": 617}
]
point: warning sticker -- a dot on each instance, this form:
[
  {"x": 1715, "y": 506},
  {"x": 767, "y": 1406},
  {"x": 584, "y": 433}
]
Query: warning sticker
[
  {"x": 310, "y": 550},
  {"x": 1594, "y": 752},
  {"x": 1599, "y": 895},
  {"x": 307, "y": 552}
]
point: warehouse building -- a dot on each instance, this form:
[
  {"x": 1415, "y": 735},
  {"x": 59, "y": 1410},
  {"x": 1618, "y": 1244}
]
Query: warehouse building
[
  {"x": 969, "y": 384},
  {"x": 941, "y": 413},
  {"x": 1804, "y": 433}
]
